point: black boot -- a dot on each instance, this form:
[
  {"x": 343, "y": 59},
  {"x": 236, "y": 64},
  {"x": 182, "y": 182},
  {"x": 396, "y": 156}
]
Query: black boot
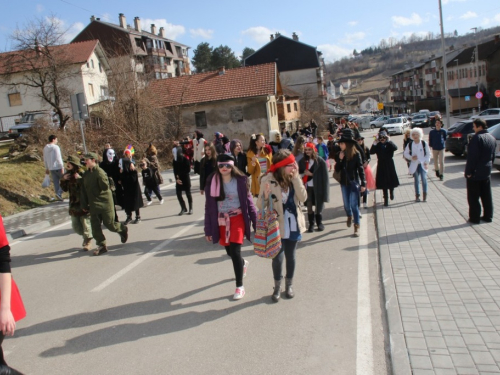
[
  {"x": 128, "y": 220},
  {"x": 319, "y": 223},
  {"x": 392, "y": 194},
  {"x": 190, "y": 209},
  {"x": 311, "y": 223},
  {"x": 386, "y": 201},
  {"x": 183, "y": 210}
]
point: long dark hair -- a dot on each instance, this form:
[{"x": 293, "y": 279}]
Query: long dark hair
[
  {"x": 253, "y": 143},
  {"x": 235, "y": 173}
]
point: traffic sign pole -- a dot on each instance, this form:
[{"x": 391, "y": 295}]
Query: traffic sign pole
[{"x": 497, "y": 94}]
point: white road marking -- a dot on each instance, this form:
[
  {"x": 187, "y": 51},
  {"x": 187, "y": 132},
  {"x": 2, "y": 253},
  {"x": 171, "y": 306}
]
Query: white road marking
[
  {"x": 364, "y": 351},
  {"x": 22, "y": 239},
  {"x": 143, "y": 257}
]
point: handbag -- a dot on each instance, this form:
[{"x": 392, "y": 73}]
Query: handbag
[
  {"x": 267, "y": 240},
  {"x": 46, "y": 181}
]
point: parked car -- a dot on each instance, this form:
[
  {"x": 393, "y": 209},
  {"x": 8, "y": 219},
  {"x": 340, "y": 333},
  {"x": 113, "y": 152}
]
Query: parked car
[
  {"x": 26, "y": 123},
  {"x": 396, "y": 125},
  {"x": 487, "y": 114},
  {"x": 420, "y": 121},
  {"x": 425, "y": 112},
  {"x": 379, "y": 122},
  {"x": 494, "y": 130},
  {"x": 432, "y": 117},
  {"x": 458, "y": 136}
]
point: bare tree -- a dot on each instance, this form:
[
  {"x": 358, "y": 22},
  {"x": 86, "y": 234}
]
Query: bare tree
[{"x": 40, "y": 64}]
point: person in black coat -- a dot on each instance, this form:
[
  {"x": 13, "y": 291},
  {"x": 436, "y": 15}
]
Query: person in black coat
[
  {"x": 387, "y": 177},
  {"x": 109, "y": 164},
  {"x": 480, "y": 158},
  {"x": 182, "y": 168},
  {"x": 316, "y": 179},
  {"x": 132, "y": 195},
  {"x": 239, "y": 156}
]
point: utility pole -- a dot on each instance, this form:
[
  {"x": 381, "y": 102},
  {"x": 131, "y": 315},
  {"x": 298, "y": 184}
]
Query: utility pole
[
  {"x": 445, "y": 70},
  {"x": 476, "y": 67},
  {"x": 458, "y": 84}
]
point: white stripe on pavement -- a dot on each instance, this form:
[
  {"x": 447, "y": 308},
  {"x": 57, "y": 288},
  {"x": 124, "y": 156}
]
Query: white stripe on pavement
[
  {"x": 143, "y": 257},
  {"x": 23, "y": 239},
  {"x": 364, "y": 351}
]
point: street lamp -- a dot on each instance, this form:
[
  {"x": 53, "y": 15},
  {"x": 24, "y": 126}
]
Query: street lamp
[
  {"x": 458, "y": 83},
  {"x": 476, "y": 67},
  {"x": 443, "y": 63}
]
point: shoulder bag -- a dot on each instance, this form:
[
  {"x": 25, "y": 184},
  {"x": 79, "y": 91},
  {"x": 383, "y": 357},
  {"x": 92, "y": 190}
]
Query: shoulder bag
[{"x": 267, "y": 240}]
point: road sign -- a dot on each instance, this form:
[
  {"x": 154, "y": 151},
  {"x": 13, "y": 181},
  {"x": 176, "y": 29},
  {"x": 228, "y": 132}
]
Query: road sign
[
  {"x": 479, "y": 95},
  {"x": 497, "y": 93},
  {"x": 380, "y": 105},
  {"x": 467, "y": 98}
]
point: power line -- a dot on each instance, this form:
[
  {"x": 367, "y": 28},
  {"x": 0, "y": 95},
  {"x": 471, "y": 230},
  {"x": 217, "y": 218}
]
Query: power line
[{"x": 77, "y": 6}]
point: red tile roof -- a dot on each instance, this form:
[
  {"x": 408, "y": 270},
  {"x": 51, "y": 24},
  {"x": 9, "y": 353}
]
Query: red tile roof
[
  {"x": 66, "y": 54},
  {"x": 244, "y": 82}
]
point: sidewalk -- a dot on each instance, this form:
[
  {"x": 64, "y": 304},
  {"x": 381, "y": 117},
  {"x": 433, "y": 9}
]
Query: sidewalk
[
  {"x": 34, "y": 220},
  {"x": 441, "y": 277}
]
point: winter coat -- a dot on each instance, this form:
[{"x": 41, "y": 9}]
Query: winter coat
[
  {"x": 241, "y": 162},
  {"x": 154, "y": 164},
  {"x": 350, "y": 170},
  {"x": 52, "y": 157},
  {"x": 212, "y": 212},
  {"x": 387, "y": 177},
  {"x": 198, "y": 148},
  {"x": 480, "y": 156},
  {"x": 96, "y": 195},
  {"x": 132, "y": 195},
  {"x": 254, "y": 171},
  {"x": 300, "y": 196},
  {"x": 422, "y": 151},
  {"x": 74, "y": 187},
  {"x": 149, "y": 179},
  {"x": 321, "y": 180},
  {"x": 324, "y": 148},
  {"x": 207, "y": 167},
  {"x": 113, "y": 172},
  {"x": 182, "y": 168}
]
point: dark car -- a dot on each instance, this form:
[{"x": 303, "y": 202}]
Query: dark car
[
  {"x": 420, "y": 121},
  {"x": 457, "y": 139}
]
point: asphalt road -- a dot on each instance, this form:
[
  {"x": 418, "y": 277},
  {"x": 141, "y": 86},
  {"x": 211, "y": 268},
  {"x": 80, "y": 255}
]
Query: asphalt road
[{"x": 162, "y": 303}]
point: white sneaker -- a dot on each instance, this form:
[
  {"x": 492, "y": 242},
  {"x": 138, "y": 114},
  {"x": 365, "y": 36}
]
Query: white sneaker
[
  {"x": 239, "y": 293},
  {"x": 365, "y": 205},
  {"x": 245, "y": 267},
  {"x": 161, "y": 202},
  {"x": 149, "y": 203}
]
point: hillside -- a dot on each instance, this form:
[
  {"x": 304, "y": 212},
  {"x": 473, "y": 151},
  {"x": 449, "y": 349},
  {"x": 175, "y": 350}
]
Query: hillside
[{"x": 373, "y": 66}]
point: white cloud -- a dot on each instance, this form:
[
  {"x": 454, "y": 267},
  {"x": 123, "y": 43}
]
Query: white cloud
[
  {"x": 105, "y": 17},
  {"x": 488, "y": 21},
  {"x": 39, "y": 8},
  {"x": 468, "y": 15},
  {"x": 171, "y": 31},
  {"x": 332, "y": 52},
  {"x": 73, "y": 31},
  {"x": 453, "y": 1},
  {"x": 352, "y": 23},
  {"x": 260, "y": 34},
  {"x": 399, "y": 21},
  {"x": 201, "y": 33},
  {"x": 353, "y": 37}
]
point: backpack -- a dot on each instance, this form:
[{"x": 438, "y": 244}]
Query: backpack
[{"x": 423, "y": 144}]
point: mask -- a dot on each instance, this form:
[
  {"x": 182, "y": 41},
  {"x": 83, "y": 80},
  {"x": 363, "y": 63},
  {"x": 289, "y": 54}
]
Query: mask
[{"x": 110, "y": 154}]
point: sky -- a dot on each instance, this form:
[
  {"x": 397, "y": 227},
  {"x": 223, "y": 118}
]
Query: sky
[{"x": 335, "y": 28}]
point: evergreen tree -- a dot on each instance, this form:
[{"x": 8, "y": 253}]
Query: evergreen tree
[
  {"x": 246, "y": 52},
  {"x": 202, "y": 58},
  {"x": 224, "y": 56}
]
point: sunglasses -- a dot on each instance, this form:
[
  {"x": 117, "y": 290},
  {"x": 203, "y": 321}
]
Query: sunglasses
[{"x": 228, "y": 166}]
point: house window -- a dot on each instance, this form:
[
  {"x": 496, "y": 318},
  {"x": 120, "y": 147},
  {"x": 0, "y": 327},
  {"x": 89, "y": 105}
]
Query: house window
[
  {"x": 15, "y": 99},
  {"x": 92, "y": 63},
  {"x": 138, "y": 42},
  {"x": 236, "y": 114},
  {"x": 295, "y": 107},
  {"x": 100, "y": 68},
  {"x": 91, "y": 89},
  {"x": 104, "y": 91},
  {"x": 275, "y": 110},
  {"x": 200, "y": 119},
  {"x": 289, "y": 108},
  {"x": 88, "y": 65}
]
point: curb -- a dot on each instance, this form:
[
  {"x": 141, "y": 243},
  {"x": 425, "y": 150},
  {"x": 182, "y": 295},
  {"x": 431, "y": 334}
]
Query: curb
[{"x": 400, "y": 361}]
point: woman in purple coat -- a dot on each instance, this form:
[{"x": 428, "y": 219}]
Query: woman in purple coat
[{"x": 229, "y": 209}]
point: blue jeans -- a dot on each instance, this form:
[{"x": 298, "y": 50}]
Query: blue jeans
[
  {"x": 288, "y": 248},
  {"x": 351, "y": 202},
  {"x": 56, "y": 177},
  {"x": 423, "y": 176}
]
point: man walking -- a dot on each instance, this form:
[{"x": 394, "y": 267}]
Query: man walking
[
  {"x": 54, "y": 164},
  {"x": 437, "y": 139},
  {"x": 98, "y": 199},
  {"x": 480, "y": 157}
]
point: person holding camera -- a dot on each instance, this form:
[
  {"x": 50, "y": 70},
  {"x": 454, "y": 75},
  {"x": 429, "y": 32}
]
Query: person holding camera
[{"x": 386, "y": 177}]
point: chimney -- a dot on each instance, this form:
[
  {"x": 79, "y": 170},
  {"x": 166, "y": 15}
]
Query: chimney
[
  {"x": 222, "y": 70},
  {"x": 153, "y": 29},
  {"x": 137, "y": 24},
  {"x": 123, "y": 21},
  {"x": 272, "y": 37},
  {"x": 162, "y": 32},
  {"x": 295, "y": 37},
  {"x": 92, "y": 18},
  {"x": 38, "y": 50}
]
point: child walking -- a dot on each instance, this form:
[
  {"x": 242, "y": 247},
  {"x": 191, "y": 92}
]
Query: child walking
[
  {"x": 150, "y": 182},
  {"x": 229, "y": 210}
]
